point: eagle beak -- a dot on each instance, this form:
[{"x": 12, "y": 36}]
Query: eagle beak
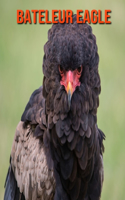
[
  {"x": 70, "y": 80},
  {"x": 69, "y": 90}
]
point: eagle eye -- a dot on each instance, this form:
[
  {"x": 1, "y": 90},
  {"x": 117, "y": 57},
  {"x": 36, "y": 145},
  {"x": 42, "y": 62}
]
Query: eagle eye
[
  {"x": 79, "y": 70},
  {"x": 61, "y": 70}
]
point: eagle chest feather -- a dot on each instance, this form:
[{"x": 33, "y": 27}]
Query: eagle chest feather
[{"x": 73, "y": 147}]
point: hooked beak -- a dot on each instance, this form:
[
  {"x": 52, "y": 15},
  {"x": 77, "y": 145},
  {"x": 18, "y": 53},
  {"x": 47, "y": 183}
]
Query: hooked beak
[
  {"x": 69, "y": 90},
  {"x": 70, "y": 80}
]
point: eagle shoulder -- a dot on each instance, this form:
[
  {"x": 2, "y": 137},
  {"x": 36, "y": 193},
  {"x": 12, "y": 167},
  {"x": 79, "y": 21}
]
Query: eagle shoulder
[{"x": 29, "y": 163}]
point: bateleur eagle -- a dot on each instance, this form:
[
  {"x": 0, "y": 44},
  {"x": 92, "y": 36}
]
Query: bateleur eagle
[{"x": 57, "y": 149}]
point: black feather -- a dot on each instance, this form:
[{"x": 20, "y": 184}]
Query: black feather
[{"x": 66, "y": 166}]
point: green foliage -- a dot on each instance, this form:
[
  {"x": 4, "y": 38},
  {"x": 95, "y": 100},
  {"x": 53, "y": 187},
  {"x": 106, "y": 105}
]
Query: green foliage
[{"x": 21, "y": 54}]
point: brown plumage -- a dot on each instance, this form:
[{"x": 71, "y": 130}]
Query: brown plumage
[{"x": 57, "y": 149}]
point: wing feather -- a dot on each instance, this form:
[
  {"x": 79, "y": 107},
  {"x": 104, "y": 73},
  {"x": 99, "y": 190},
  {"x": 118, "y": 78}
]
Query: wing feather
[{"x": 29, "y": 167}]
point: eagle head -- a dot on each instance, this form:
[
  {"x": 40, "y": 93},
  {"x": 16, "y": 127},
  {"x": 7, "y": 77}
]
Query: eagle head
[{"x": 71, "y": 81}]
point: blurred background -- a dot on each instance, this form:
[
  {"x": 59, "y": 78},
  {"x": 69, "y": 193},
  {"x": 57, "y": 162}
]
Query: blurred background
[{"x": 21, "y": 56}]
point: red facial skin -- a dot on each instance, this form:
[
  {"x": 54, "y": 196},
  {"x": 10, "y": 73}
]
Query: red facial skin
[{"x": 70, "y": 79}]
